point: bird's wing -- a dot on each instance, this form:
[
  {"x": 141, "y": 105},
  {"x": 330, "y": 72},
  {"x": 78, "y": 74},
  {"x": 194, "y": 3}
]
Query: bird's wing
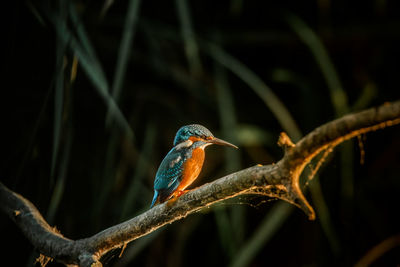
[{"x": 169, "y": 173}]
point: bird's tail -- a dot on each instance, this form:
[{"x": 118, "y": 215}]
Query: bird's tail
[{"x": 155, "y": 198}]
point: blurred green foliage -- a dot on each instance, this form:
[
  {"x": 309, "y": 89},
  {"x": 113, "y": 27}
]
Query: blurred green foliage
[{"x": 94, "y": 92}]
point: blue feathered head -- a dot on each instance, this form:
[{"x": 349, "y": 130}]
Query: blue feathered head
[{"x": 195, "y": 130}]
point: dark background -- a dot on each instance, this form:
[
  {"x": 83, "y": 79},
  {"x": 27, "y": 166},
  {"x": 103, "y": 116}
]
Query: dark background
[{"x": 85, "y": 173}]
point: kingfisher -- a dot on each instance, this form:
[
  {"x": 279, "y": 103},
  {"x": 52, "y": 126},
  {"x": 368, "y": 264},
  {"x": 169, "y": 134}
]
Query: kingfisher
[{"x": 184, "y": 161}]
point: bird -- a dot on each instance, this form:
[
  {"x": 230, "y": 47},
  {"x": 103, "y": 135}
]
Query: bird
[{"x": 183, "y": 163}]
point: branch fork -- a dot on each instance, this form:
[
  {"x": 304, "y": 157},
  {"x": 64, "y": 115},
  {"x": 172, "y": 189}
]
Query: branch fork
[{"x": 280, "y": 180}]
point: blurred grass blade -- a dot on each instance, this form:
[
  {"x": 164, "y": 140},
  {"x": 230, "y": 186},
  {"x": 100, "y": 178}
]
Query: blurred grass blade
[
  {"x": 288, "y": 76},
  {"x": 85, "y": 52},
  {"x": 175, "y": 73},
  {"x": 102, "y": 88},
  {"x": 308, "y": 36},
  {"x": 376, "y": 252},
  {"x": 346, "y": 176},
  {"x": 368, "y": 93},
  {"x": 133, "y": 191},
  {"x": 60, "y": 184},
  {"x": 315, "y": 188},
  {"x": 58, "y": 100},
  {"x": 324, "y": 215},
  {"x": 340, "y": 105},
  {"x": 190, "y": 44},
  {"x": 253, "y": 135},
  {"x": 225, "y": 231},
  {"x": 74, "y": 70},
  {"x": 35, "y": 12},
  {"x": 276, "y": 106},
  {"x": 107, "y": 178},
  {"x": 227, "y": 116},
  {"x": 280, "y": 211},
  {"x": 81, "y": 42},
  {"x": 267, "y": 229},
  {"x": 124, "y": 51},
  {"x": 33, "y": 134},
  {"x": 106, "y": 6},
  {"x": 83, "y": 36},
  {"x": 91, "y": 66}
]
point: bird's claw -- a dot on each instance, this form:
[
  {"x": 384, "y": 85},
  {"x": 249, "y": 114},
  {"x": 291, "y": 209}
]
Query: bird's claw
[
  {"x": 181, "y": 192},
  {"x": 175, "y": 195}
]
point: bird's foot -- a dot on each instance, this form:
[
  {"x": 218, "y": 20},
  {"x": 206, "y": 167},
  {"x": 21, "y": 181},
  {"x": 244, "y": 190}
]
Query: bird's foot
[
  {"x": 171, "y": 201},
  {"x": 181, "y": 192},
  {"x": 175, "y": 195}
]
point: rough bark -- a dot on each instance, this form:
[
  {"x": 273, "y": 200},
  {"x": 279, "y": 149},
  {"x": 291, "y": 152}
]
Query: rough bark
[{"x": 279, "y": 180}]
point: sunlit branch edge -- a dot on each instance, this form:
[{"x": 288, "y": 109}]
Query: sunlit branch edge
[{"x": 279, "y": 180}]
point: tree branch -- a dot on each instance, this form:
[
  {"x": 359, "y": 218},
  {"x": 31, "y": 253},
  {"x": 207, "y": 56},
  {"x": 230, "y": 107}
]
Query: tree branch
[{"x": 279, "y": 180}]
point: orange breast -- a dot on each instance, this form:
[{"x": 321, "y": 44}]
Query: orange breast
[{"x": 192, "y": 168}]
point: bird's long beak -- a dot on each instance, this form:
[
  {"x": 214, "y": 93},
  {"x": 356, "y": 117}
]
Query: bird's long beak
[{"x": 218, "y": 141}]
